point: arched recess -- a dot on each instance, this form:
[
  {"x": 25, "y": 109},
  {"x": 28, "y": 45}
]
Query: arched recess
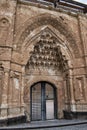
[
  {"x": 35, "y": 37},
  {"x": 4, "y": 27},
  {"x": 44, "y": 20},
  {"x": 48, "y": 58},
  {"x": 47, "y": 44}
]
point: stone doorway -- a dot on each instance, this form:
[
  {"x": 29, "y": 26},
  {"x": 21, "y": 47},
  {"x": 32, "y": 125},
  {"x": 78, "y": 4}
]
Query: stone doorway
[
  {"x": 47, "y": 62},
  {"x": 43, "y": 101}
]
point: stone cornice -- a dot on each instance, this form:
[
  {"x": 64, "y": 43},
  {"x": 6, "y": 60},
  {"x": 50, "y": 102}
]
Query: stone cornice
[{"x": 49, "y": 7}]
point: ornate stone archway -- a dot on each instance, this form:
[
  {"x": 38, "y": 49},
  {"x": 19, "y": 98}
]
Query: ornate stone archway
[
  {"x": 47, "y": 63},
  {"x": 46, "y": 20}
]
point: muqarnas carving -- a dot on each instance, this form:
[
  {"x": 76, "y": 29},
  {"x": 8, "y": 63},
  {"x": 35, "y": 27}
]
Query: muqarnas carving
[{"x": 47, "y": 54}]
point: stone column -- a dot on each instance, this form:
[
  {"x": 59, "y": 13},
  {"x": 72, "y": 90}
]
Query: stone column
[
  {"x": 22, "y": 90},
  {"x": 72, "y": 100},
  {"x": 85, "y": 88},
  {"x": 66, "y": 88},
  {"x": 4, "y": 105}
]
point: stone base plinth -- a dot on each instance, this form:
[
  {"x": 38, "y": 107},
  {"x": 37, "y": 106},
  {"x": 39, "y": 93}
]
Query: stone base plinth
[
  {"x": 75, "y": 115},
  {"x": 13, "y": 120}
]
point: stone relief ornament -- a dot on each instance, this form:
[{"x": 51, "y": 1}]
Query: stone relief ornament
[{"x": 47, "y": 53}]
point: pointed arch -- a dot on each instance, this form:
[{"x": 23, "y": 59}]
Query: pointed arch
[
  {"x": 32, "y": 40},
  {"x": 44, "y": 20}
]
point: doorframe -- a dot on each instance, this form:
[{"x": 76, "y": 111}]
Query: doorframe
[{"x": 55, "y": 99}]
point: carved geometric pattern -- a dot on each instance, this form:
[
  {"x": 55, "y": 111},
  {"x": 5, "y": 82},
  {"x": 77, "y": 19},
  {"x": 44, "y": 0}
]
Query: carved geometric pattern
[{"x": 47, "y": 53}]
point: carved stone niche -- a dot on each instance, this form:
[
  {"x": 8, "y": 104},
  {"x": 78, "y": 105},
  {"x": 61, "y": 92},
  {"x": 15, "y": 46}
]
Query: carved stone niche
[
  {"x": 79, "y": 89},
  {"x": 14, "y": 87},
  {"x": 4, "y": 26},
  {"x": 16, "y": 78}
]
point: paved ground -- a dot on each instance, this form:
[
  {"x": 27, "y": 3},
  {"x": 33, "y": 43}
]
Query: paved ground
[
  {"x": 50, "y": 125},
  {"x": 76, "y": 127}
]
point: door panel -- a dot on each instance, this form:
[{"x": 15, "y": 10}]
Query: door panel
[
  {"x": 36, "y": 102},
  {"x": 49, "y": 109},
  {"x": 49, "y": 92},
  {"x": 42, "y": 101}
]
